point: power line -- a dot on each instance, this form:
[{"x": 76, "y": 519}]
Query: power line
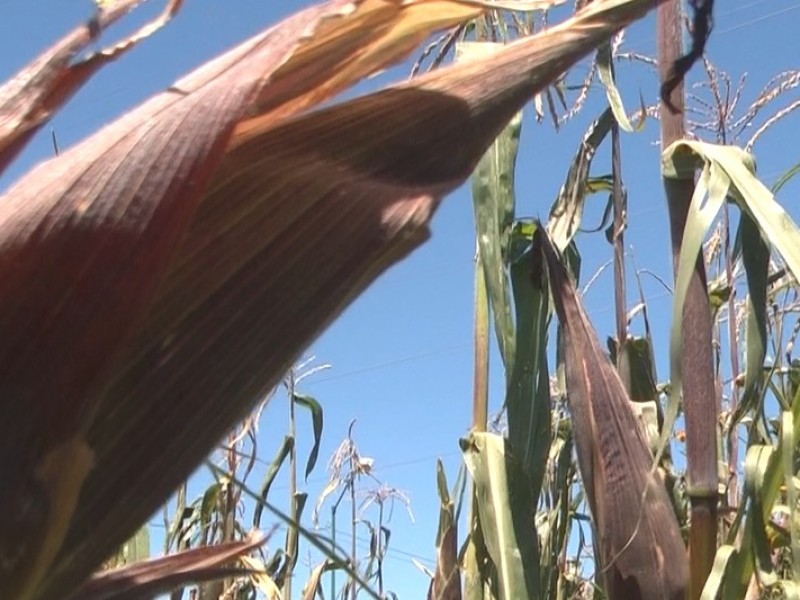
[
  {"x": 755, "y": 20},
  {"x": 391, "y": 551},
  {"x": 376, "y": 469},
  {"x": 742, "y": 25},
  {"x": 759, "y": 19},
  {"x": 393, "y": 362},
  {"x": 742, "y": 7}
]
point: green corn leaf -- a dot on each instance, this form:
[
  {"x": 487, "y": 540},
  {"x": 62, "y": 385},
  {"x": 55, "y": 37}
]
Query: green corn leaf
[
  {"x": 755, "y": 257},
  {"x": 315, "y": 409},
  {"x": 567, "y": 211},
  {"x": 605, "y": 70},
  {"x": 446, "y": 582},
  {"x": 727, "y": 172},
  {"x": 528, "y": 389},
  {"x": 493, "y": 199},
  {"x": 269, "y": 478},
  {"x": 506, "y": 507}
]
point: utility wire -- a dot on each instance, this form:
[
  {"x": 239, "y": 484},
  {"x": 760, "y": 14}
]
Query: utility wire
[
  {"x": 392, "y": 552},
  {"x": 756, "y": 20},
  {"x": 747, "y": 23}
]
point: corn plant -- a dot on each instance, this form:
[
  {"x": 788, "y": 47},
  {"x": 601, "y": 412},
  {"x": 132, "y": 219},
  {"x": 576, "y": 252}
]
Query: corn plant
[
  {"x": 621, "y": 420},
  {"x": 371, "y": 508},
  {"x": 156, "y": 280}
]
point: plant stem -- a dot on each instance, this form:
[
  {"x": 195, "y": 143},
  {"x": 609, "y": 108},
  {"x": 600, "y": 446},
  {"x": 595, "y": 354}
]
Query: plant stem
[
  {"x": 352, "y": 486},
  {"x": 617, "y": 237},
  {"x": 380, "y": 548},
  {"x": 291, "y": 547},
  {"x": 480, "y": 412},
  {"x": 333, "y": 549},
  {"x": 480, "y": 397},
  {"x": 700, "y": 403}
]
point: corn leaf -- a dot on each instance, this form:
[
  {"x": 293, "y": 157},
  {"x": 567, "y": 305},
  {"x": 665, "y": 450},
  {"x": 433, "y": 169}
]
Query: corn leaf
[
  {"x": 493, "y": 200},
  {"x": 31, "y": 97},
  {"x": 605, "y": 71},
  {"x": 567, "y": 210},
  {"x": 765, "y": 470},
  {"x": 149, "y": 578},
  {"x": 528, "y": 387},
  {"x": 260, "y": 579},
  {"x": 315, "y": 408},
  {"x": 269, "y": 477},
  {"x": 313, "y": 584},
  {"x": 446, "y": 582},
  {"x": 614, "y": 459},
  {"x": 727, "y": 172},
  {"x": 755, "y": 257},
  {"x": 504, "y": 503}
]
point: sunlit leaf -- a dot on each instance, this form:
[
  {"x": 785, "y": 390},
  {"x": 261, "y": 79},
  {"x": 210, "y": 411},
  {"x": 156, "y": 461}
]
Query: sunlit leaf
[
  {"x": 259, "y": 578},
  {"x": 605, "y": 71},
  {"x": 764, "y": 472},
  {"x": 493, "y": 200},
  {"x": 31, "y": 97},
  {"x": 567, "y": 211},
  {"x": 726, "y": 172},
  {"x": 313, "y": 584},
  {"x": 446, "y": 582},
  {"x": 504, "y": 504}
]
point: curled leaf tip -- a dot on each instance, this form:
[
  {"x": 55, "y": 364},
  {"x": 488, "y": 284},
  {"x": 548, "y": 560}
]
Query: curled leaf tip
[{"x": 702, "y": 24}]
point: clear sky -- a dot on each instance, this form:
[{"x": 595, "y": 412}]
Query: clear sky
[{"x": 401, "y": 355}]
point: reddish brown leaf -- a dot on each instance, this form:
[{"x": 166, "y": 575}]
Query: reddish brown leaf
[
  {"x": 30, "y": 98},
  {"x": 123, "y": 197},
  {"x": 148, "y": 578},
  {"x": 85, "y": 240},
  {"x": 641, "y": 552}
]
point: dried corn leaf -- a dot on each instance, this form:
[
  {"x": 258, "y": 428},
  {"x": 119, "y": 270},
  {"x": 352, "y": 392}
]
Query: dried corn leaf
[
  {"x": 312, "y": 586},
  {"x": 357, "y": 38},
  {"x": 260, "y": 579},
  {"x": 641, "y": 552},
  {"x": 32, "y": 96},
  {"x": 159, "y": 277},
  {"x": 148, "y": 578}
]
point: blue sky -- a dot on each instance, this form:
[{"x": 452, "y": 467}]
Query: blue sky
[{"x": 401, "y": 355}]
